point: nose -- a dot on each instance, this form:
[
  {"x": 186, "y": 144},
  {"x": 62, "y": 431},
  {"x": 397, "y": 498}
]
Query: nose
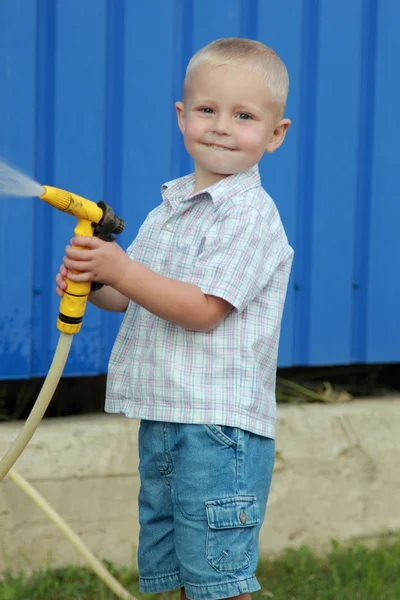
[{"x": 221, "y": 124}]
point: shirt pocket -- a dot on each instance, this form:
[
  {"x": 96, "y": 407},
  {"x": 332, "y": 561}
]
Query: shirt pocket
[
  {"x": 183, "y": 254},
  {"x": 232, "y": 532}
]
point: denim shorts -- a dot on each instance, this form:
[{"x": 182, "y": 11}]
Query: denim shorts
[{"x": 202, "y": 502}]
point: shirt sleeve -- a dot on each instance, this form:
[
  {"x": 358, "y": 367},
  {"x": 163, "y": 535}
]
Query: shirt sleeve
[{"x": 239, "y": 257}]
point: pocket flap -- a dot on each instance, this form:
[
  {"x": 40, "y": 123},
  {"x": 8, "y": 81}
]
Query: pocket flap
[{"x": 235, "y": 511}]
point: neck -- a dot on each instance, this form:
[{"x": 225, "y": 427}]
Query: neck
[{"x": 205, "y": 179}]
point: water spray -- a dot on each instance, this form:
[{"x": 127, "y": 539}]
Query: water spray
[{"x": 93, "y": 220}]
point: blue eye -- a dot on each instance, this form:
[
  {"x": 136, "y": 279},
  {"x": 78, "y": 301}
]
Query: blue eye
[
  {"x": 244, "y": 116},
  {"x": 206, "y": 110}
]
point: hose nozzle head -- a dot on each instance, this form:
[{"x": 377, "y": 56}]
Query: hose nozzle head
[
  {"x": 75, "y": 205},
  {"x": 110, "y": 225}
]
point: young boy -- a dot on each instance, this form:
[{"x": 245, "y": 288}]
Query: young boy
[{"x": 203, "y": 287}]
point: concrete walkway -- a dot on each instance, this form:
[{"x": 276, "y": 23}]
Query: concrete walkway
[{"x": 337, "y": 476}]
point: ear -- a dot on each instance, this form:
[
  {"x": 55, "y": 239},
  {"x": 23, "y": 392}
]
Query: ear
[
  {"x": 180, "y": 113},
  {"x": 278, "y": 135}
]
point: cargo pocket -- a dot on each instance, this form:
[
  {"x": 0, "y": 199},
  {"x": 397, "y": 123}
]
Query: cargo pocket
[{"x": 231, "y": 532}]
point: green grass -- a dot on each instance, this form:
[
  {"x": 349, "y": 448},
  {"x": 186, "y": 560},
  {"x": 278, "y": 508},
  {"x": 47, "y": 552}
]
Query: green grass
[{"x": 346, "y": 573}]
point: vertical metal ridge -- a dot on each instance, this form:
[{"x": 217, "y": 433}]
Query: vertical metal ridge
[
  {"x": 364, "y": 183},
  {"x": 305, "y": 211},
  {"x": 114, "y": 98},
  {"x": 249, "y": 19},
  {"x": 183, "y": 35},
  {"x": 43, "y": 293},
  {"x": 113, "y": 137}
]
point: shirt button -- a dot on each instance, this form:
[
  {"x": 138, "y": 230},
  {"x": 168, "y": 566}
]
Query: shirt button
[
  {"x": 243, "y": 518},
  {"x": 156, "y": 269},
  {"x": 168, "y": 227}
]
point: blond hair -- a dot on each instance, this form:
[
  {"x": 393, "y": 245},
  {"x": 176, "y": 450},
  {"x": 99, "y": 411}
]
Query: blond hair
[{"x": 260, "y": 57}]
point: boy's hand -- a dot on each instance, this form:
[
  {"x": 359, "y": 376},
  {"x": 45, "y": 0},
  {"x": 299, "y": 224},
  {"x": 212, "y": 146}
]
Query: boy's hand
[
  {"x": 98, "y": 261},
  {"x": 61, "y": 283}
]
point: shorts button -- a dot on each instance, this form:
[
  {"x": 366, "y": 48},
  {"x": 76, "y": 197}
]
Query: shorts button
[{"x": 242, "y": 517}]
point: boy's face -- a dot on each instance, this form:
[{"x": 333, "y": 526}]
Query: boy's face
[{"x": 228, "y": 121}]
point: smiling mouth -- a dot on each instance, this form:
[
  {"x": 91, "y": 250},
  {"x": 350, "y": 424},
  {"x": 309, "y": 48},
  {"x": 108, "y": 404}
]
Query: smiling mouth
[{"x": 218, "y": 147}]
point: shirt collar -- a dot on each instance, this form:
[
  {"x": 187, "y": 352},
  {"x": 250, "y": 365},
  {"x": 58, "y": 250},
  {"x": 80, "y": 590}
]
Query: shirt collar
[{"x": 181, "y": 190}]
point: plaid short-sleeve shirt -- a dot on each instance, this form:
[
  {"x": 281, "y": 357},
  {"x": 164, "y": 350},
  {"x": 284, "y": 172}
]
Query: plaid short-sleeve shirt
[{"x": 229, "y": 241}]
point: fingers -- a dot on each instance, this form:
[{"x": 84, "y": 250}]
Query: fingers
[
  {"x": 87, "y": 242},
  {"x": 78, "y": 277},
  {"x": 61, "y": 283},
  {"x": 77, "y": 265},
  {"x": 78, "y": 254}
]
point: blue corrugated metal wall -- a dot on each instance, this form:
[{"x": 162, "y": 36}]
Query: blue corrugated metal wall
[{"x": 86, "y": 103}]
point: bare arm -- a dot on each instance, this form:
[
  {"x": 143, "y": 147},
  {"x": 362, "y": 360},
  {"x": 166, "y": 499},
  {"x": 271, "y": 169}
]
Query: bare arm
[
  {"x": 109, "y": 299},
  {"x": 180, "y": 303}
]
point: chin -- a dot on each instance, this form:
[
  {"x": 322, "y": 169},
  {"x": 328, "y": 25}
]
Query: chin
[{"x": 223, "y": 170}]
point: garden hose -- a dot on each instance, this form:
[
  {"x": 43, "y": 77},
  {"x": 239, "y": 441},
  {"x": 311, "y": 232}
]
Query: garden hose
[
  {"x": 42, "y": 402},
  {"x": 31, "y": 424},
  {"x": 93, "y": 219},
  {"x": 71, "y": 536}
]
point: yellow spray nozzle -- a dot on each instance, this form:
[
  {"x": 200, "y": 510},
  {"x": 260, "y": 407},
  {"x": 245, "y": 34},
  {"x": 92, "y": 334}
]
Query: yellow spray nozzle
[
  {"x": 93, "y": 219},
  {"x": 73, "y": 302},
  {"x": 75, "y": 205}
]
